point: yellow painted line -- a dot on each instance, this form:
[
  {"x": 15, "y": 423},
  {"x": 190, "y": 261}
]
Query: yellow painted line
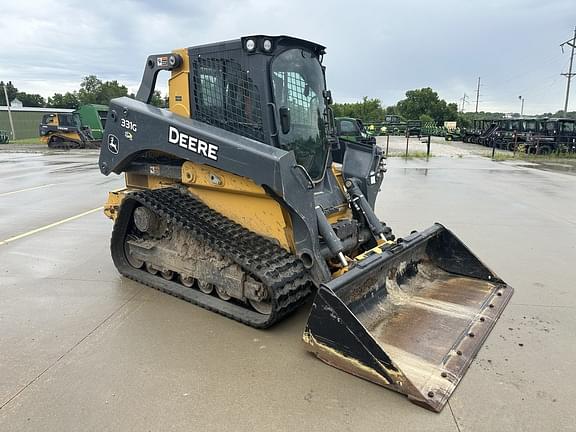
[
  {"x": 45, "y": 227},
  {"x": 26, "y": 190}
]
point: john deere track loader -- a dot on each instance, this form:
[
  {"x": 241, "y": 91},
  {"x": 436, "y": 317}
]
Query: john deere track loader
[
  {"x": 65, "y": 131},
  {"x": 239, "y": 199}
]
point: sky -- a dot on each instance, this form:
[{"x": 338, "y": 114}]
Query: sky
[{"x": 378, "y": 49}]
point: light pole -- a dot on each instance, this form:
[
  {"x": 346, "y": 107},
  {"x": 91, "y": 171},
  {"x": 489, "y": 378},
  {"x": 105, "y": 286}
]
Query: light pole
[
  {"x": 521, "y": 106},
  {"x": 9, "y": 113}
]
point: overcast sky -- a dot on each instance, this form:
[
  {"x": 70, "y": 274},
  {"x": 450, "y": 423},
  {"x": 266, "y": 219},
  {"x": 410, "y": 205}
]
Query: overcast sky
[{"x": 374, "y": 48}]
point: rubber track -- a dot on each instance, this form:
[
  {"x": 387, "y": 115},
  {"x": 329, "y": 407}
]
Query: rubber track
[
  {"x": 64, "y": 145},
  {"x": 284, "y": 274}
]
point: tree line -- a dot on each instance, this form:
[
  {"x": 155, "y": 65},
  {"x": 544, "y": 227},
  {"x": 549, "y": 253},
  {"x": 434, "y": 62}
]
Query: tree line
[
  {"x": 92, "y": 91},
  {"x": 421, "y": 104}
]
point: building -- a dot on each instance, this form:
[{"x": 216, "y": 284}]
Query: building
[
  {"x": 26, "y": 119},
  {"x": 16, "y": 103}
]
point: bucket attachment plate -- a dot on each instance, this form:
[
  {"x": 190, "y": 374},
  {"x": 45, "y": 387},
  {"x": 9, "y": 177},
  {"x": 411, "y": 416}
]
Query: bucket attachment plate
[{"x": 410, "y": 316}]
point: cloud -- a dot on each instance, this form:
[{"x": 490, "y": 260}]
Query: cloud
[{"x": 376, "y": 49}]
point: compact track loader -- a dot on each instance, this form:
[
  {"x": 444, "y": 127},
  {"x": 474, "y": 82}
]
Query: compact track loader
[
  {"x": 65, "y": 131},
  {"x": 240, "y": 199}
]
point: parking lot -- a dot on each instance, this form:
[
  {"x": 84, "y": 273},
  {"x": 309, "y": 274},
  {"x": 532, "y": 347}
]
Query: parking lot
[{"x": 82, "y": 348}]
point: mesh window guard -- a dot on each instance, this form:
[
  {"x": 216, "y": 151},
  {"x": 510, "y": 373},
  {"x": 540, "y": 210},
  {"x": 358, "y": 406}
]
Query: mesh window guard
[{"x": 225, "y": 97}]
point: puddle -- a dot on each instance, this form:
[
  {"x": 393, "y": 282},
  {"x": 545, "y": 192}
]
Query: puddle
[
  {"x": 564, "y": 167},
  {"x": 521, "y": 163}
]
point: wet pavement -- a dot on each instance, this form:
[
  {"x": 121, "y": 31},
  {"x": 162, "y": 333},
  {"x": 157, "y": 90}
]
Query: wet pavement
[
  {"x": 566, "y": 166},
  {"x": 83, "y": 349}
]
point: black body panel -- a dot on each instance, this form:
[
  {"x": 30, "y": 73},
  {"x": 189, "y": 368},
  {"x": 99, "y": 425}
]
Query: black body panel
[{"x": 270, "y": 167}]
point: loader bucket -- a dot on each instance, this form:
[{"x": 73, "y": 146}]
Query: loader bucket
[{"x": 410, "y": 317}]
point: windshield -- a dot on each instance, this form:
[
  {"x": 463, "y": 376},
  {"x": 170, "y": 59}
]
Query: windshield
[
  {"x": 69, "y": 120},
  {"x": 531, "y": 125},
  {"x": 567, "y": 126},
  {"x": 298, "y": 83}
]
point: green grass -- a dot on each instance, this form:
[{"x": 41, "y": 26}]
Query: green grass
[
  {"x": 411, "y": 155},
  {"x": 500, "y": 156},
  {"x": 26, "y": 141},
  {"x": 531, "y": 158}
]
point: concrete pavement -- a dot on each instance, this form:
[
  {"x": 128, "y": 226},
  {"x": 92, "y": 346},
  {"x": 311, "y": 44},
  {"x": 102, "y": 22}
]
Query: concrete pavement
[{"x": 83, "y": 349}]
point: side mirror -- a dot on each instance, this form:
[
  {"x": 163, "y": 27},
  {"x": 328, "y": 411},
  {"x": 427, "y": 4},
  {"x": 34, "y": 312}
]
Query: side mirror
[{"x": 284, "y": 119}]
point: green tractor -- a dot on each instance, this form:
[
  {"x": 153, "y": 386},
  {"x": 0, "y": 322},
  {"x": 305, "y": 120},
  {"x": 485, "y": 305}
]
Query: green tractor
[
  {"x": 83, "y": 128},
  {"x": 93, "y": 116},
  {"x": 453, "y": 135},
  {"x": 351, "y": 129},
  {"x": 395, "y": 124}
]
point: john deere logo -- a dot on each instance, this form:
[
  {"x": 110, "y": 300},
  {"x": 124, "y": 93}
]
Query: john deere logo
[{"x": 113, "y": 144}]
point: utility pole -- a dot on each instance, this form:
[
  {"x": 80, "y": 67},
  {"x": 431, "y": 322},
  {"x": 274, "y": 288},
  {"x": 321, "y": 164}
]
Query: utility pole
[
  {"x": 464, "y": 101},
  {"x": 477, "y": 94},
  {"x": 9, "y": 113},
  {"x": 569, "y": 75}
]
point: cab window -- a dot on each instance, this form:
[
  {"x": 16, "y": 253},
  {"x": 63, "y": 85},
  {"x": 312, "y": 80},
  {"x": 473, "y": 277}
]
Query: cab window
[{"x": 348, "y": 127}]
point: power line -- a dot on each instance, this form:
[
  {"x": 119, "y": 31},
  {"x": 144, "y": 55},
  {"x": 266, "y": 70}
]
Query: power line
[
  {"x": 569, "y": 75},
  {"x": 544, "y": 63},
  {"x": 464, "y": 101}
]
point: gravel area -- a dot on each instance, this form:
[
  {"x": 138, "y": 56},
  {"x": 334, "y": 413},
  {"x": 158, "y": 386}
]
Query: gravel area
[{"x": 438, "y": 147}]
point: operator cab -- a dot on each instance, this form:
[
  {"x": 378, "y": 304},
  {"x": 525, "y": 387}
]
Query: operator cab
[
  {"x": 59, "y": 121},
  {"x": 271, "y": 89}
]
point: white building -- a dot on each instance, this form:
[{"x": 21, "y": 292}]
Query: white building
[{"x": 16, "y": 103}]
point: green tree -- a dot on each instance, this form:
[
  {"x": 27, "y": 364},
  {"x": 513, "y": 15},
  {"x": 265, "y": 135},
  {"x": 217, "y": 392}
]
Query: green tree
[
  {"x": 31, "y": 100},
  {"x": 66, "y": 100},
  {"x": 391, "y": 110},
  {"x": 95, "y": 91},
  {"x": 89, "y": 90},
  {"x": 464, "y": 121},
  {"x": 426, "y": 101},
  {"x": 369, "y": 110},
  {"x": 110, "y": 90},
  {"x": 10, "y": 89},
  {"x": 158, "y": 100},
  {"x": 425, "y": 118},
  {"x": 561, "y": 114}
]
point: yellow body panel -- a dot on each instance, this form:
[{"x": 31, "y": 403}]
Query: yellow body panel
[
  {"x": 53, "y": 120},
  {"x": 179, "y": 93},
  {"x": 237, "y": 198},
  {"x": 141, "y": 181},
  {"x": 133, "y": 182},
  {"x": 345, "y": 211},
  {"x": 113, "y": 204},
  {"x": 240, "y": 199}
]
